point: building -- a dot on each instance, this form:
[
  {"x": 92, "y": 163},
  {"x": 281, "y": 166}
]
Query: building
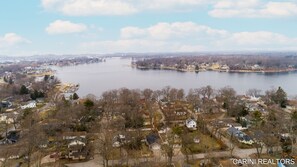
[
  {"x": 152, "y": 141},
  {"x": 76, "y": 147},
  {"x": 77, "y": 150},
  {"x": 118, "y": 140},
  {"x": 240, "y": 136},
  {"x": 191, "y": 123},
  {"x": 31, "y": 104},
  {"x": 5, "y": 104}
]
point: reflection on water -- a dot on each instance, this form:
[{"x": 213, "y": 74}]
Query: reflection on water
[{"x": 116, "y": 73}]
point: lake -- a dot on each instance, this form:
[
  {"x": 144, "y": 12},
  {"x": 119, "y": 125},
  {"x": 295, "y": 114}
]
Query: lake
[{"x": 116, "y": 73}]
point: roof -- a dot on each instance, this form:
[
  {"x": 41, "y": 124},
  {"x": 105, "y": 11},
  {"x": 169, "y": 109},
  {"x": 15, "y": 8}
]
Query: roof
[
  {"x": 73, "y": 135},
  {"x": 76, "y": 147},
  {"x": 233, "y": 131},
  {"x": 190, "y": 120},
  {"x": 152, "y": 138}
]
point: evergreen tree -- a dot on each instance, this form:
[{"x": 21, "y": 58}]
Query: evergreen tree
[
  {"x": 281, "y": 97},
  {"x": 88, "y": 104},
  {"x": 24, "y": 90},
  {"x": 75, "y": 96},
  {"x": 5, "y": 79},
  {"x": 10, "y": 81}
]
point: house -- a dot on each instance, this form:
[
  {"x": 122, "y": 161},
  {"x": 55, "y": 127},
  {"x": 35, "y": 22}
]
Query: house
[
  {"x": 236, "y": 125},
  {"x": 196, "y": 140},
  {"x": 197, "y": 109},
  {"x": 77, "y": 150},
  {"x": 118, "y": 140},
  {"x": 240, "y": 136},
  {"x": 152, "y": 140},
  {"x": 5, "y": 104},
  {"x": 164, "y": 130},
  {"x": 191, "y": 123},
  {"x": 4, "y": 118},
  {"x": 11, "y": 137},
  {"x": 31, "y": 104},
  {"x": 73, "y": 135}
]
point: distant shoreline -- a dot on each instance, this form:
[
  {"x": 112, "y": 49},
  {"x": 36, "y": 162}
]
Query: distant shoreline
[{"x": 218, "y": 70}]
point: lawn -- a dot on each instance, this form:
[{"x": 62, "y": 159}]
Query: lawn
[
  {"x": 144, "y": 152},
  {"x": 207, "y": 143}
]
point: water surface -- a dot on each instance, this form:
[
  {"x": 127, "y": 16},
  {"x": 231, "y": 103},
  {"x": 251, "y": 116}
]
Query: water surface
[{"x": 116, "y": 73}]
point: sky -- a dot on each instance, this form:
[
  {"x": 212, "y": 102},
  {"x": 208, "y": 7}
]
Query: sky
[{"x": 34, "y": 27}]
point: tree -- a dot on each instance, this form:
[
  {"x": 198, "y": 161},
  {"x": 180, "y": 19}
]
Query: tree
[
  {"x": 5, "y": 79},
  {"x": 193, "y": 98},
  {"x": 180, "y": 94},
  {"x": 187, "y": 142},
  {"x": 24, "y": 90},
  {"x": 168, "y": 148},
  {"x": 253, "y": 92},
  {"x": 206, "y": 92},
  {"x": 89, "y": 104},
  {"x": 105, "y": 143},
  {"x": 257, "y": 118},
  {"x": 281, "y": 97},
  {"x": 46, "y": 77},
  {"x": 227, "y": 96},
  {"x": 10, "y": 81},
  {"x": 293, "y": 129},
  {"x": 197, "y": 68},
  {"x": 278, "y": 96},
  {"x": 75, "y": 96}
]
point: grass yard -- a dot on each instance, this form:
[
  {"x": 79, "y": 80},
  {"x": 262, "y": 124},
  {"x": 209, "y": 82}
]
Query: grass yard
[
  {"x": 207, "y": 143},
  {"x": 144, "y": 152}
]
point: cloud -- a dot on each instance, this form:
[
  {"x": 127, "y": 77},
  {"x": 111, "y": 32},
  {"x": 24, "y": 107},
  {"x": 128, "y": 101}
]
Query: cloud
[
  {"x": 90, "y": 7},
  {"x": 188, "y": 37},
  {"x": 117, "y": 7},
  {"x": 12, "y": 39},
  {"x": 176, "y": 30},
  {"x": 259, "y": 40},
  {"x": 218, "y": 8},
  {"x": 65, "y": 27},
  {"x": 252, "y": 9},
  {"x": 161, "y": 37}
]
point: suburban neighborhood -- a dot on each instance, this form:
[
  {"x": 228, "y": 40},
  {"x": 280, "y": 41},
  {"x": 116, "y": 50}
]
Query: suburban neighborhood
[{"x": 46, "y": 123}]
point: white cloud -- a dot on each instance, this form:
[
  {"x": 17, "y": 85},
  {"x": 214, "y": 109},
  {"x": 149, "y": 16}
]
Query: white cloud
[
  {"x": 178, "y": 5},
  {"x": 259, "y": 40},
  {"x": 220, "y": 8},
  {"x": 253, "y": 9},
  {"x": 90, "y": 7},
  {"x": 188, "y": 37},
  {"x": 118, "y": 7},
  {"x": 132, "y": 32},
  {"x": 12, "y": 39},
  {"x": 165, "y": 31},
  {"x": 64, "y": 27}
]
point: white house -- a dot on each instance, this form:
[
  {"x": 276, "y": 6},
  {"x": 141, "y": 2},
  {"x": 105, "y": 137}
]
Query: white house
[
  {"x": 191, "y": 123},
  {"x": 4, "y": 118},
  {"x": 31, "y": 104},
  {"x": 76, "y": 142}
]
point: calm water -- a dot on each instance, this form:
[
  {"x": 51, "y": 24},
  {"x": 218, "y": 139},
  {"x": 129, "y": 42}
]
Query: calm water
[{"x": 116, "y": 73}]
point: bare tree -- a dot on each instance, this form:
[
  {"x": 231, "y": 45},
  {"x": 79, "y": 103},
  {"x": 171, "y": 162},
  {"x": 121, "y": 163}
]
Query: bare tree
[{"x": 253, "y": 92}]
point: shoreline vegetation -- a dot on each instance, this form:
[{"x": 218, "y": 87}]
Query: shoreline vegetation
[
  {"x": 226, "y": 63},
  {"x": 218, "y": 70}
]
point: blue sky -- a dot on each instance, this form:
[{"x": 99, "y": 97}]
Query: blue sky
[{"x": 30, "y": 27}]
